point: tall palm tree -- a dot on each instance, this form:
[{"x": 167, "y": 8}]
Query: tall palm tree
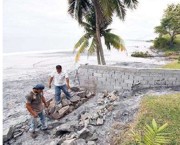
[
  {"x": 104, "y": 10},
  {"x": 110, "y": 39}
]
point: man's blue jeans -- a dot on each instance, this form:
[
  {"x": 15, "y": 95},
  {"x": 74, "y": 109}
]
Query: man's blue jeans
[
  {"x": 58, "y": 93},
  {"x": 34, "y": 122}
]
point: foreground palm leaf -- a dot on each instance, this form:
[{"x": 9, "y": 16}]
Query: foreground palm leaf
[{"x": 152, "y": 135}]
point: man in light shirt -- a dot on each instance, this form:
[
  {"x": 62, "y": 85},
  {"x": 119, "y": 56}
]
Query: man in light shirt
[{"x": 61, "y": 82}]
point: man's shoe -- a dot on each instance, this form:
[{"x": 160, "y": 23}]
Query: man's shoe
[{"x": 58, "y": 107}]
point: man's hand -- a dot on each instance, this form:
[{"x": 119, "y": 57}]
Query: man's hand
[
  {"x": 35, "y": 115},
  {"x": 68, "y": 86},
  {"x": 46, "y": 105}
]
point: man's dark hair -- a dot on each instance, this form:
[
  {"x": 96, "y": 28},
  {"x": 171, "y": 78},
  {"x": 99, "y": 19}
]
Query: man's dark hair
[{"x": 58, "y": 67}]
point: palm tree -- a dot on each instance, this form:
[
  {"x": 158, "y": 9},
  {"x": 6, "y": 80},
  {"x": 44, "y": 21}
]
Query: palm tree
[
  {"x": 110, "y": 39},
  {"x": 104, "y": 10}
]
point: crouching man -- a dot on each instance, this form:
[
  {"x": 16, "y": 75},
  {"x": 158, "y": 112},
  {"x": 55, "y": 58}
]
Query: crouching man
[{"x": 34, "y": 105}]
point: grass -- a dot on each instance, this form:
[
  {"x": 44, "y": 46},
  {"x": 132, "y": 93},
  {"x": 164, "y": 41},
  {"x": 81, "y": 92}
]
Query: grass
[
  {"x": 173, "y": 65},
  {"x": 164, "y": 109}
]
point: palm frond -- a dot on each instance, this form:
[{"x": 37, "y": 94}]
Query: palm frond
[
  {"x": 92, "y": 47},
  {"x": 114, "y": 40},
  {"x": 81, "y": 41},
  {"x": 132, "y": 4},
  {"x": 81, "y": 50}
]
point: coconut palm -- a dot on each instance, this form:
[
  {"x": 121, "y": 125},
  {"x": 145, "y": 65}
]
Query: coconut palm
[
  {"x": 104, "y": 10},
  {"x": 88, "y": 42}
]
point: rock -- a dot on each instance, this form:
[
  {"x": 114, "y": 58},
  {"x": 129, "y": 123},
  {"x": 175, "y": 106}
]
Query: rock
[
  {"x": 75, "y": 89},
  {"x": 89, "y": 95},
  {"x": 94, "y": 137},
  {"x": 65, "y": 102},
  {"x": 63, "y": 111},
  {"x": 79, "y": 142},
  {"x": 84, "y": 133},
  {"x": 74, "y": 142},
  {"x": 112, "y": 97},
  {"x": 18, "y": 133},
  {"x": 100, "y": 101},
  {"x": 81, "y": 94},
  {"x": 75, "y": 99},
  {"x": 100, "y": 121},
  {"x": 91, "y": 143},
  {"x": 109, "y": 107},
  {"x": 105, "y": 93},
  {"x": 94, "y": 116},
  {"x": 69, "y": 126},
  {"x": 51, "y": 110},
  {"x": 68, "y": 142},
  {"x": 18, "y": 126},
  {"x": 8, "y": 134},
  {"x": 85, "y": 116},
  {"x": 71, "y": 108},
  {"x": 12, "y": 141}
]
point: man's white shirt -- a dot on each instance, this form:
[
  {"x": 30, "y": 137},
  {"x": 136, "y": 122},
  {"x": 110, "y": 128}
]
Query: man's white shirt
[{"x": 59, "y": 78}]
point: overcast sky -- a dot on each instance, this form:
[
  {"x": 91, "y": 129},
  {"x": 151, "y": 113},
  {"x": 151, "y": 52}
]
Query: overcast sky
[{"x": 35, "y": 25}]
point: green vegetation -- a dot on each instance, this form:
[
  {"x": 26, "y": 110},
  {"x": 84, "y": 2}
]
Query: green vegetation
[
  {"x": 141, "y": 54},
  {"x": 153, "y": 135},
  {"x": 169, "y": 26},
  {"x": 104, "y": 11},
  {"x": 173, "y": 65},
  {"x": 164, "y": 109}
]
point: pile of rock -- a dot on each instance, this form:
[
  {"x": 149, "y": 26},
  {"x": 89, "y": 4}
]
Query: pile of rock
[
  {"x": 10, "y": 135},
  {"x": 79, "y": 96}
]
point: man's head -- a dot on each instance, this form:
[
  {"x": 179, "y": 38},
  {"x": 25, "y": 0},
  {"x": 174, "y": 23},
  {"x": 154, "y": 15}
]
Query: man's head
[
  {"x": 38, "y": 88},
  {"x": 59, "y": 68}
]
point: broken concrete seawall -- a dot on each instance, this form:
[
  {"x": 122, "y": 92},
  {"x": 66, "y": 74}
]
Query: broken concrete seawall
[{"x": 98, "y": 78}]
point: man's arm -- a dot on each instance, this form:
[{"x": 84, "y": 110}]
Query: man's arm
[
  {"x": 67, "y": 82},
  {"x": 50, "y": 81},
  {"x": 44, "y": 101},
  {"x": 29, "y": 108}
]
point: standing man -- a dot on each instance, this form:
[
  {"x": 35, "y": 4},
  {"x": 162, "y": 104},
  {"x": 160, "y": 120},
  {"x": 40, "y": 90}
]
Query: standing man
[
  {"x": 61, "y": 82},
  {"x": 34, "y": 105}
]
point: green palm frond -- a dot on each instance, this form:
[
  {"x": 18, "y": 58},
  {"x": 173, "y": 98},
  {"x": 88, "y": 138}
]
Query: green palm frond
[
  {"x": 114, "y": 40},
  {"x": 81, "y": 50},
  {"x": 78, "y": 8},
  {"x": 119, "y": 8},
  {"x": 81, "y": 41},
  {"x": 132, "y": 4},
  {"x": 152, "y": 135},
  {"x": 92, "y": 47}
]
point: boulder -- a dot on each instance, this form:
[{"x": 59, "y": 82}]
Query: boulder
[
  {"x": 75, "y": 89},
  {"x": 91, "y": 143},
  {"x": 89, "y": 95},
  {"x": 8, "y": 134},
  {"x": 100, "y": 101},
  {"x": 60, "y": 113},
  {"x": 100, "y": 121},
  {"x": 65, "y": 102},
  {"x": 112, "y": 97},
  {"x": 105, "y": 93},
  {"x": 81, "y": 94},
  {"x": 17, "y": 133},
  {"x": 74, "y": 142},
  {"x": 84, "y": 133},
  {"x": 75, "y": 99}
]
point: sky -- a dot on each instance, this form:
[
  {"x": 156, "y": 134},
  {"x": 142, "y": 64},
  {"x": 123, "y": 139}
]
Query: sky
[{"x": 38, "y": 25}]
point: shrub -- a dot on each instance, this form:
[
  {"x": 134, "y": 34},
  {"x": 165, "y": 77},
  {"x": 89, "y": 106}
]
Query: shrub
[
  {"x": 140, "y": 54},
  {"x": 161, "y": 43}
]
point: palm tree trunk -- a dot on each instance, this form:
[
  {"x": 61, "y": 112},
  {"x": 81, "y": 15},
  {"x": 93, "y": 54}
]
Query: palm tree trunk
[
  {"x": 99, "y": 44},
  {"x": 98, "y": 56}
]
